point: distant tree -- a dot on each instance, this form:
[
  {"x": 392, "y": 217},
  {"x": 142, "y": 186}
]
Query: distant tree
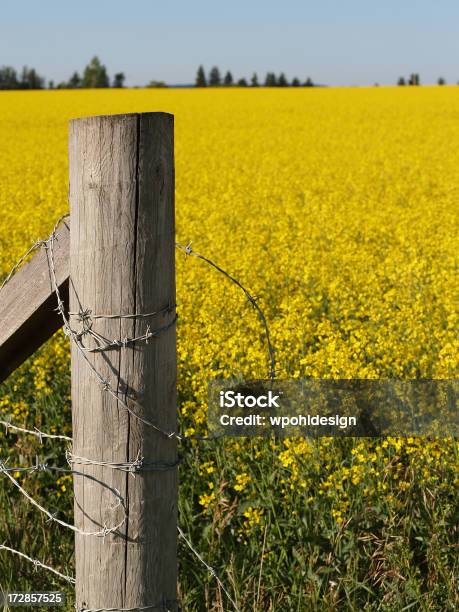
[
  {"x": 214, "y": 77},
  {"x": 242, "y": 83},
  {"x": 201, "y": 80},
  {"x": 23, "y": 81},
  {"x": 401, "y": 82},
  {"x": 414, "y": 79},
  {"x": 156, "y": 84},
  {"x": 295, "y": 82},
  {"x": 30, "y": 79},
  {"x": 95, "y": 74},
  {"x": 309, "y": 82},
  {"x": 35, "y": 80},
  {"x": 441, "y": 81},
  {"x": 228, "y": 80},
  {"x": 8, "y": 78},
  {"x": 74, "y": 81},
  {"x": 118, "y": 80},
  {"x": 282, "y": 80},
  {"x": 254, "y": 80},
  {"x": 50, "y": 84},
  {"x": 270, "y": 80}
]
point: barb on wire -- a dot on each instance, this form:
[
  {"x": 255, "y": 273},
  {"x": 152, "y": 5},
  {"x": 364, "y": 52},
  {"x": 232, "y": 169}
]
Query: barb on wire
[
  {"x": 39, "y": 434},
  {"x": 52, "y": 517},
  {"x": 37, "y": 467},
  {"x": 272, "y": 360},
  {"x": 37, "y": 563},
  {"x": 208, "y": 567}
]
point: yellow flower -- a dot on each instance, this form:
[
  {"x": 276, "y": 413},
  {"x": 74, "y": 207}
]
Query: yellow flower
[
  {"x": 253, "y": 518},
  {"x": 242, "y": 480},
  {"x": 206, "y": 499}
]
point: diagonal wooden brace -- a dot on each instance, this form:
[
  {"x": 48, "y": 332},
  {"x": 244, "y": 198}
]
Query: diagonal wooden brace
[{"x": 28, "y": 315}]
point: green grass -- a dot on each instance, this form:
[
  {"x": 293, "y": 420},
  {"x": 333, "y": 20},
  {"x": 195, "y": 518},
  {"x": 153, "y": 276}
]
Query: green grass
[{"x": 394, "y": 551}]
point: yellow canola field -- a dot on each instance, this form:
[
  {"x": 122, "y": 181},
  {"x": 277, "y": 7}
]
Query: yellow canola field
[{"x": 336, "y": 207}]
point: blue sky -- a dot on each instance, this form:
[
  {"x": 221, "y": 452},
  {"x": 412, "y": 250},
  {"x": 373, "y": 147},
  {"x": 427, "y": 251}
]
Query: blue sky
[{"x": 336, "y": 42}]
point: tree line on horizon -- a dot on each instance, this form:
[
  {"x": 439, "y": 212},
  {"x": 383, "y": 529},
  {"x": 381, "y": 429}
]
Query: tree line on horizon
[
  {"x": 415, "y": 80},
  {"x": 28, "y": 79},
  {"x": 215, "y": 79},
  {"x": 95, "y": 75}
]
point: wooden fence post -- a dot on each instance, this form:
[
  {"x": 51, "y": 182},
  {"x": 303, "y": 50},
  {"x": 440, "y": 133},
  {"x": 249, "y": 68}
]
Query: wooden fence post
[{"x": 122, "y": 243}]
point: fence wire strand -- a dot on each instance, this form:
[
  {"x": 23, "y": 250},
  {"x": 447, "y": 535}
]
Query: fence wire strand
[
  {"x": 133, "y": 467},
  {"x": 37, "y": 563},
  {"x": 208, "y": 567},
  {"x": 38, "y": 245},
  {"x": 52, "y": 517},
  {"x": 252, "y": 300},
  {"x": 36, "y": 432}
]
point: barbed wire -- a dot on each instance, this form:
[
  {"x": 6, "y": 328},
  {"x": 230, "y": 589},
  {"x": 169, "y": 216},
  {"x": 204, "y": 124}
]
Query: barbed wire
[
  {"x": 86, "y": 318},
  {"x": 37, "y": 467},
  {"x": 253, "y": 300},
  {"x": 37, "y": 563},
  {"x": 138, "y": 465},
  {"x": 159, "y": 606},
  {"x": 52, "y": 517},
  {"x": 133, "y": 467},
  {"x": 81, "y": 315},
  {"x": 39, "y": 434},
  {"x": 72, "y": 335},
  {"x": 38, "y": 244},
  {"x": 104, "y": 344},
  {"x": 106, "y": 385},
  {"x": 208, "y": 567}
]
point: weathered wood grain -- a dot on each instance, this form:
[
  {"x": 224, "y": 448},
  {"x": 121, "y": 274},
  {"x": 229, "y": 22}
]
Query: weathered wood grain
[
  {"x": 122, "y": 262},
  {"x": 28, "y": 303}
]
